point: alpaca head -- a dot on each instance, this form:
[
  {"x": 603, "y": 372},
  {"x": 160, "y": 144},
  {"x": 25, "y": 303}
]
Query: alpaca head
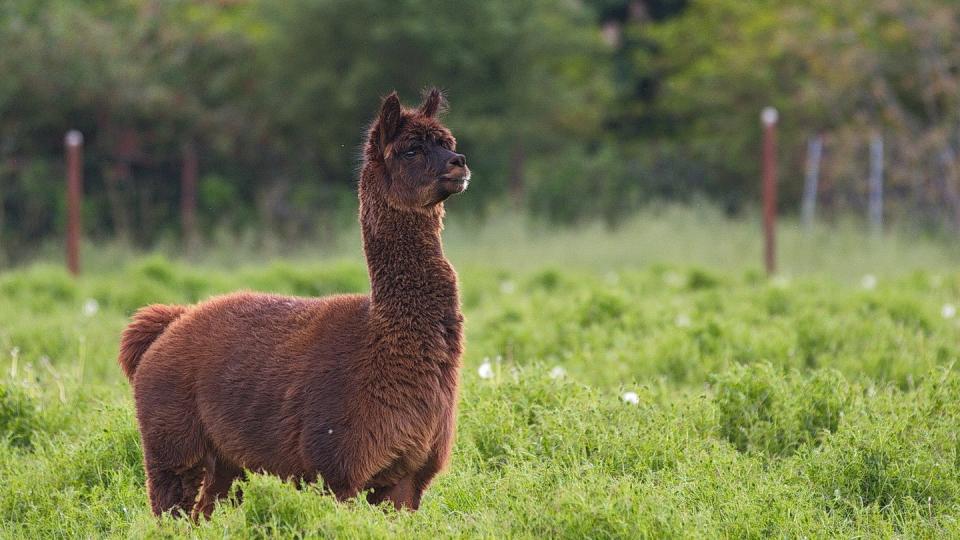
[{"x": 416, "y": 155}]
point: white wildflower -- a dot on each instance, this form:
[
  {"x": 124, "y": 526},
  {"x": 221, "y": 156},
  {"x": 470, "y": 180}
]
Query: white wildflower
[
  {"x": 682, "y": 320},
  {"x": 507, "y": 287},
  {"x": 673, "y": 279},
  {"x": 91, "y": 307},
  {"x": 485, "y": 371},
  {"x": 869, "y": 282},
  {"x": 948, "y": 311},
  {"x": 557, "y": 372},
  {"x": 631, "y": 398},
  {"x": 780, "y": 282}
]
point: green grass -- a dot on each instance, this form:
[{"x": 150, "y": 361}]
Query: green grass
[{"x": 804, "y": 406}]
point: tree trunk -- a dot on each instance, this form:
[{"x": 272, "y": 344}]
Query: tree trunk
[
  {"x": 3, "y": 247},
  {"x": 518, "y": 160},
  {"x": 124, "y": 149},
  {"x": 188, "y": 195},
  {"x": 949, "y": 179},
  {"x": 116, "y": 177}
]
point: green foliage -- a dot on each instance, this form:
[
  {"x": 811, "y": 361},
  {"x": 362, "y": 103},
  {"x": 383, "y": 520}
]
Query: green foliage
[
  {"x": 764, "y": 411},
  {"x": 576, "y": 109},
  {"x": 276, "y": 97},
  {"x": 18, "y": 415}
]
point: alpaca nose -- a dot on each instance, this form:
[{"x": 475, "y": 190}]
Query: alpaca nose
[{"x": 457, "y": 160}]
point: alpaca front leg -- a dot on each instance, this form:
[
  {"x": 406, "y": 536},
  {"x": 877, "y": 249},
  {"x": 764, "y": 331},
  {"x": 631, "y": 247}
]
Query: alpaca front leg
[
  {"x": 346, "y": 464},
  {"x": 437, "y": 460},
  {"x": 344, "y": 488},
  {"x": 344, "y": 482},
  {"x": 219, "y": 476},
  {"x": 403, "y": 495}
]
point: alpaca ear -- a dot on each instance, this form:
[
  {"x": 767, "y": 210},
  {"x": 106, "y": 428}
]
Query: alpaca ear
[
  {"x": 434, "y": 103},
  {"x": 389, "y": 120}
]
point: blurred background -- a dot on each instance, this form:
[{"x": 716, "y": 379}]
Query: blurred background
[{"x": 571, "y": 113}]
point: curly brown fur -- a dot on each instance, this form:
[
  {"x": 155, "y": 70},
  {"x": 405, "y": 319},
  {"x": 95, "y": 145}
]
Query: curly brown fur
[{"x": 360, "y": 391}]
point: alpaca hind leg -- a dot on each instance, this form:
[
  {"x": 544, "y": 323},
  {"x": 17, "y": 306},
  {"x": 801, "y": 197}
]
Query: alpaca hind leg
[
  {"x": 172, "y": 458},
  {"x": 219, "y": 476},
  {"x": 172, "y": 491}
]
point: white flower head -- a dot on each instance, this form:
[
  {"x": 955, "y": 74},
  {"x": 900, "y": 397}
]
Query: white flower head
[
  {"x": 673, "y": 279},
  {"x": 869, "y": 282},
  {"x": 508, "y": 287},
  {"x": 948, "y": 311},
  {"x": 485, "y": 371},
  {"x": 631, "y": 398},
  {"x": 682, "y": 320},
  {"x": 780, "y": 282},
  {"x": 558, "y": 372},
  {"x": 90, "y": 307}
]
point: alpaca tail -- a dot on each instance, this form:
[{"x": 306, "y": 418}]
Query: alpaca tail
[{"x": 147, "y": 325}]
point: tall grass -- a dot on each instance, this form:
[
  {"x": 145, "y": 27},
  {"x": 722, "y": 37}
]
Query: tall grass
[
  {"x": 691, "y": 235},
  {"x": 816, "y": 404}
]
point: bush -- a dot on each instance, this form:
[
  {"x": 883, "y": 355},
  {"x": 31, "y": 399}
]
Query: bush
[{"x": 763, "y": 411}]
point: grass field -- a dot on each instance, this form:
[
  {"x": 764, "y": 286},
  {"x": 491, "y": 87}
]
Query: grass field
[{"x": 647, "y": 382}]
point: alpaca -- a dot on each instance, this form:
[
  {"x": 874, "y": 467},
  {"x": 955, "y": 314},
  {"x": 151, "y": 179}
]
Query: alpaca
[{"x": 358, "y": 390}]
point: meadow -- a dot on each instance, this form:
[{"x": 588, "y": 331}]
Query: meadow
[{"x": 647, "y": 382}]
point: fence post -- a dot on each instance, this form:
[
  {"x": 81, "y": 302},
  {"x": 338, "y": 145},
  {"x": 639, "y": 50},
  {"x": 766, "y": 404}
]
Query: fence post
[
  {"x": 811, "y": 180},
  {"x": 770, "y": 118},
  {"x": 74, "y": 145},
  {"x": 876, "y": 184}
]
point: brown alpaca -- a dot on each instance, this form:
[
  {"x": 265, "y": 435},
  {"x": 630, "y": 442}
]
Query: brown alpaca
[{"x": 358, "y": 390}]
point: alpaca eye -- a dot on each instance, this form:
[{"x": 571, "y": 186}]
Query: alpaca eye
[{"x": 410, "y": 154}]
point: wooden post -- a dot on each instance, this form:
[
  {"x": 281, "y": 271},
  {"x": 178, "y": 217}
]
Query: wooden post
[
  {"x": 876, "y": 184},
  {"x": 811, "y": 180},
  {"x": 769, "y": 118},
  {"x": 188, "y": 194},
  {"x": 74, "y": 144}
]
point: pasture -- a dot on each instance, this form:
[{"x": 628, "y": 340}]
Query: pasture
[{"x": 613, "y": 387}]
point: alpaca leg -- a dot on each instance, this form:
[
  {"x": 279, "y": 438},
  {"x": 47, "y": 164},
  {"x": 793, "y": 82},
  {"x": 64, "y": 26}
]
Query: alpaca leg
[
  {"x": 219, "y": 476},
  {"x": 172, "y": 491},
  {"x": 344, "y": 491},
  {"x": 173, "y": 440},
  {"x": 439, "y": 455},
  {"x": 403, "y": 495},
  {"x": 345, "y": 482},
  {"x": 172, "y": 459}
]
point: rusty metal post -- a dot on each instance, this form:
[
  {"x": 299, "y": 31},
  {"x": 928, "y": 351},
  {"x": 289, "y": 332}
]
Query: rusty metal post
[
  {"x": 770, "y": 118},
  {"x": 188, "y": 195},
  {"x": 74, "y": 144}
]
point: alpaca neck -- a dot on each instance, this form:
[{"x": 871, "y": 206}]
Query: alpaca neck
[{"x": 413, "y": 285}]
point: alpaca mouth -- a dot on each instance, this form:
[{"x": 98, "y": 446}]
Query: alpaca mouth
[{"x": 458, "y": 183}]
